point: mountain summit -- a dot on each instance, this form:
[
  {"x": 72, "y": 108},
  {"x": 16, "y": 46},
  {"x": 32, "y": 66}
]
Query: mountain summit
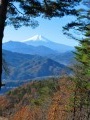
[{"x": 37, "y": 38}]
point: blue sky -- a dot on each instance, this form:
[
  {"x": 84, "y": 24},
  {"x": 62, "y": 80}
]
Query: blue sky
[{"x": 51, "y": 29}]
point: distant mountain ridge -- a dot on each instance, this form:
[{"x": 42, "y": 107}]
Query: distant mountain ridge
[
  {"x": 37, "y": 45},
  {"x": 25, "y": 67},
  {"x": 21, "y": 47},
  {"x": 67, "y": 58}
]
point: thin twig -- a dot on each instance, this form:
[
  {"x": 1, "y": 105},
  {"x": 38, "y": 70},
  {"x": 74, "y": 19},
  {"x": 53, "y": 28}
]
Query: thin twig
[{"x": 17, "y": 9}]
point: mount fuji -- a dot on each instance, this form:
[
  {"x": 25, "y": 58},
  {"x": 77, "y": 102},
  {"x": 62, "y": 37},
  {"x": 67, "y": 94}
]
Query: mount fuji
[{"x": 39, "y": 40}]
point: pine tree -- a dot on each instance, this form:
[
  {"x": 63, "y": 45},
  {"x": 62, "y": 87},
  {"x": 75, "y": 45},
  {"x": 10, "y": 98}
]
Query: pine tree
[
  {"x": 82, "y": 80},
  {"x": 81, "y": 103}
]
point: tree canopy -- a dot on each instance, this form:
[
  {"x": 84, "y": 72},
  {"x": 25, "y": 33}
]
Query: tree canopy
[
  {"x": 23, "y": 12},
  {"x": 82, "y": 55},
  {"x": 82, "y": 26}
]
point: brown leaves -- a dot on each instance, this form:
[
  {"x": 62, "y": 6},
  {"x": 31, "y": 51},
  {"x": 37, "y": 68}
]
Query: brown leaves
[{"x": 53, "y": 108}]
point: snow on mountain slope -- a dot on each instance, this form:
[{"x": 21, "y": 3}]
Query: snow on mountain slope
[{"x": 39, "y": 40}]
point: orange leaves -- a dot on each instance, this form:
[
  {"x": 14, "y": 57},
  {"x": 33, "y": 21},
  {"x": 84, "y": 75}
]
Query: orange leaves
[
  {"x": 58, "y": 108},
  {"x": 28, "y": 113},
  {"x": 55, "y": 97},
  {"x": 4, "y": 103}
]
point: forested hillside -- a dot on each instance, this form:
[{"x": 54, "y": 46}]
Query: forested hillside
[
  {"x": 24, "y": 66},
  {"x": 38, "y": 100}
]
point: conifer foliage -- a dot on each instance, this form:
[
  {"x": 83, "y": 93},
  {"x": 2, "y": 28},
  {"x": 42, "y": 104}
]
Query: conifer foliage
[{"x": 81, "y": 95}]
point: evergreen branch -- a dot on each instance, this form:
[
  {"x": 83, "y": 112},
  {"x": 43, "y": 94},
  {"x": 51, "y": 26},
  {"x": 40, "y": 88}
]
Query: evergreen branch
[{"x": 17, "y": 9}]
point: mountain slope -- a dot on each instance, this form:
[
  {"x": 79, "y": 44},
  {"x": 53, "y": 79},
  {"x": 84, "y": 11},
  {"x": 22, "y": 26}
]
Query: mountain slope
[
  {"x": 20, "y": 47},
  {"x": 24, "y": 67},
  {"x": 38, "y": 100},
  {"x": 67, "y": 58},
  {"x": 41, "y": 40}
]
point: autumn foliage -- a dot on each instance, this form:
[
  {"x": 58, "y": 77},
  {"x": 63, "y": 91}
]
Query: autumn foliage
[{"x": 38, "y": 100}]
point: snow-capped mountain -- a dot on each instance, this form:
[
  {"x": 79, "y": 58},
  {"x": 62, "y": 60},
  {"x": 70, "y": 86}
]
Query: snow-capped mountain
[{"x": 39, "y": 40}]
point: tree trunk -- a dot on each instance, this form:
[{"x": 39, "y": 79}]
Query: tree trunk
[
  {"x": 88, "y": 105},
  {"x": 81, "y": 107},
  {"x": 74, "y": 107},
  {"x": 3, "y": 12}
]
